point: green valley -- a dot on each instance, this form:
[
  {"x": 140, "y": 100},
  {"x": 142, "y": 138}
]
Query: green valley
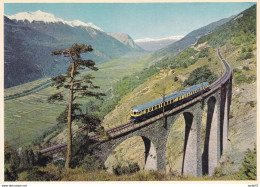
[{"x": 132, "y": 80}]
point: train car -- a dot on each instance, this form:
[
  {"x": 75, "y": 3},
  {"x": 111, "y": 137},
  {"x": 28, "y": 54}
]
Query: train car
[{"x": 171, "y": 101}]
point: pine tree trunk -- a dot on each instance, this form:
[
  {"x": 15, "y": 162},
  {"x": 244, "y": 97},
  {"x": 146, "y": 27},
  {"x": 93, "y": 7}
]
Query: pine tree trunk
[{"x": 69, "y": 140}]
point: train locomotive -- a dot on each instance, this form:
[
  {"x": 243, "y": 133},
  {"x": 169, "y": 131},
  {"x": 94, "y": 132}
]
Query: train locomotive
[{"x": 171, "y": 101}]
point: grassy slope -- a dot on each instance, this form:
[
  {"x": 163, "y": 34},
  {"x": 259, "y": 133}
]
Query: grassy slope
[
  {"x": 132, "y": 150},
  {"x": 26, "y": 118},
  {"x": 242, "y": 131}
]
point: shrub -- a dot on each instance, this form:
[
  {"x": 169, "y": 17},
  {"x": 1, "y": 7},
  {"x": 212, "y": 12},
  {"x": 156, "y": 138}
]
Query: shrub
[
  {"x": 204, "y": 53},
  {"x": 175, "y": 79},
  {"x": 35, "y": 174},
  {"x": 199, "y": 75},
  {"x": 241, "y": 57},
  {"x": 248, "y": 169},
  {"x": 245, "y": 57},
  {"x": 251, "y": 104},
  {"x": 90, "y": 163},
  {"x": 59, "y": 163},
  {"x": 240, "y": 78},
  {"x": 10, "y": 173},
  {"x": 131, "y": 168},
  {"x": 251, "y": 79},
  {"x": 236, "y": 70},
  {"x": 246, "y": 68},
  {"x": 249, "y": 55}
]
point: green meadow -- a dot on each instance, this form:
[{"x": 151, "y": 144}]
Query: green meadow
[{"x": 28, "y": 117}]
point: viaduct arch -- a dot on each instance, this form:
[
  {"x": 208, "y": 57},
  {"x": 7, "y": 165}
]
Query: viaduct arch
[{"x": 155, "y": 131}]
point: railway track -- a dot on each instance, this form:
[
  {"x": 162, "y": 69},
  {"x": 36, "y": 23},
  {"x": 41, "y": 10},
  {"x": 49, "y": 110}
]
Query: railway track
[{"x": 130, "y": 126}]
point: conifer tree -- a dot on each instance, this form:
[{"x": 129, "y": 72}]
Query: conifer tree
[{"x": 79, "y": 87}]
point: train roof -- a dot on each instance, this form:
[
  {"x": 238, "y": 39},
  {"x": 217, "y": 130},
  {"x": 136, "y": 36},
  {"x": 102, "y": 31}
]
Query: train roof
[{"x": 169, "y": 97}]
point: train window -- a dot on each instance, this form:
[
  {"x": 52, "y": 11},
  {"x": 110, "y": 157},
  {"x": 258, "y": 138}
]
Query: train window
[
  {"x": 154, "y": 108},
  {"x": 134, "y": 113},
  {"x": 158, "y": 106},
  {"x": 146, "y": 110}
]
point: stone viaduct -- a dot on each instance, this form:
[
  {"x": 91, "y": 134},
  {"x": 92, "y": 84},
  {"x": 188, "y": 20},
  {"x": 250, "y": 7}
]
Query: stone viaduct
[{"x": 155, "y": 131}]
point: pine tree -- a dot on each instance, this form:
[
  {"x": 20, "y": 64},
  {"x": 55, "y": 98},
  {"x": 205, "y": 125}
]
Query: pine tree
[{"x": 78, "y": 87}]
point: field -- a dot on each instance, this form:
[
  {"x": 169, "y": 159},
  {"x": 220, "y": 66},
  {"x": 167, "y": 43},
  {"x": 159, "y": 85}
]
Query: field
[{"x": 27, "y": 117}]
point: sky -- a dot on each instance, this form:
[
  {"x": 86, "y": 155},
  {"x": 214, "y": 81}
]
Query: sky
[{"x": 139, "y": 20}]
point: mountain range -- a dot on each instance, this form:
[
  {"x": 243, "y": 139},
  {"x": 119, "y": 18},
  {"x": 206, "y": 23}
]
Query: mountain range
[
  {"x": 188, "y": 40},
  {"x": 30, "y": 37},
  {"x": 151, "y": 44}
]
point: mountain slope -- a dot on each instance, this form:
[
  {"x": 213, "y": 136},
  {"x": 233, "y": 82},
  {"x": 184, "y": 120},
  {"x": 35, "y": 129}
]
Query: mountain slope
[
  {"x": 31, "y": 37},
  {"x": 45, "y": 17},
  {"x": 150, "y": 44},
  {"x": 242, "y": 118},
  {"x": 24, "y": 47},
  {"x": 190, "y": 39},
  {"x": 125, "y": 39}
]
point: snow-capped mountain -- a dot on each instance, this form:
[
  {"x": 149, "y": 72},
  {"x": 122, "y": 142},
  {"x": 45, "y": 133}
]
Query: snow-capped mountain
[
  {"x": 160, "y": 39},
  {"x": 30, "y": 37},
  {"x": 49, "y": 18},
  {"x": 151, "y": 44}
]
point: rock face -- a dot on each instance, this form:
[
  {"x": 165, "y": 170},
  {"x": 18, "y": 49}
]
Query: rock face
[{"x": 125, "y": 39}]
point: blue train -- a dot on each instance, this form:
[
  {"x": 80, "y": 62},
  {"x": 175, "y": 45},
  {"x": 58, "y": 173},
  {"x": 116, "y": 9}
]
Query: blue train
[{"x": 171, "y": 101}]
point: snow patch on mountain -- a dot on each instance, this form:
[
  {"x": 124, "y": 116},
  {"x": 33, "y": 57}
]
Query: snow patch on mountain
[
  {"x": 49, "y": 18},
  {"x": 160, "y": 39}
]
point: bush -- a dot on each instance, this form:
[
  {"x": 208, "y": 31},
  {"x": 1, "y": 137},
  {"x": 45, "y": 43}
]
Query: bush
[
  {"x": 251, "y": 79},
  {"x": 246, "y": 68},
  {"x": 121, "y": 170},
  {"x": 90, "y": 163},
  {"x": 10, "y": 173},
  {"x": 241, "y": 57},
  {"x": 249, "y": 55},
  {"x": 240, "y": 78},
  {"x": 236, "y": 70},
  {"x": 200, "y": 75},
  {"x": 35, "y": 174},
  {"x": 248, "y": 169},
  {"x": 251, "y": 104},
  {"x": 245, "y": 57},
  {"x": 204, "y": 53}
]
